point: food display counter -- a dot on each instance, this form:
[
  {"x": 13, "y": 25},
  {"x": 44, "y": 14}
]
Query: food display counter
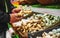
[
  {"x": 39, "y": 20},
  {"x": 36, "y": 24}
]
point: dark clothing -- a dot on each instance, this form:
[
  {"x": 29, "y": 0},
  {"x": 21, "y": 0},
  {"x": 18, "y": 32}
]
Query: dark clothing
[
  {"x": 2, "y": 5},
  {"x": 4, "y": 17},
  {"x": 3, "y": 34}
]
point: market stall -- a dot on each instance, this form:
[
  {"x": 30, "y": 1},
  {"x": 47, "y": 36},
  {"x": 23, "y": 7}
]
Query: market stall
[{"x": 38, "y": 21}]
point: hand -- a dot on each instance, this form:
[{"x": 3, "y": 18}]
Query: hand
[
  {"x": 14, "y": 18},
  {"x": 16, "y": 10}
]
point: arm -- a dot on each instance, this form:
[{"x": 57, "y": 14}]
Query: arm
[{"x": 9, "y": 18}]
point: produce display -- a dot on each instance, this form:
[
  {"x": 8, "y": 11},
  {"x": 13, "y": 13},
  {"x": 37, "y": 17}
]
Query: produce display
[
  {"x": 36, "y": 22},
  {"x": 55, "y": 33},
  {"x": 24, "y": 13}
]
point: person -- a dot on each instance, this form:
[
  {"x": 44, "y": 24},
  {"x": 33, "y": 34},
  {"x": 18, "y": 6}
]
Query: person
[{"x": 6, "y": 16}]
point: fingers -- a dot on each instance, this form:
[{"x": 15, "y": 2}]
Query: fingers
[
  {"x": 15, "y": 18},
  {"x": 16, "y": 10}
]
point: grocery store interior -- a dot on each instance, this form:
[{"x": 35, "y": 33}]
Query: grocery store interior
[{"x": 30, "y": 19}]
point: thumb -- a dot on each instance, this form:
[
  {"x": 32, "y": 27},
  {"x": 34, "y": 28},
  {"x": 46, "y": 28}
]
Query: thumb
[{"x": 16, "y": 10}]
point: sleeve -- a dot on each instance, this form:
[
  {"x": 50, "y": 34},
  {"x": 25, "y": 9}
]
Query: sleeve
[{"x": 4, "y": 18}]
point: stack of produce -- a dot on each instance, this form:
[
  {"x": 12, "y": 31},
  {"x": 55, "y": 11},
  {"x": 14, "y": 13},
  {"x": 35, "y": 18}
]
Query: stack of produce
[
  {"x": 55, "y": 33},
  {"x": 36, "y": 22}
]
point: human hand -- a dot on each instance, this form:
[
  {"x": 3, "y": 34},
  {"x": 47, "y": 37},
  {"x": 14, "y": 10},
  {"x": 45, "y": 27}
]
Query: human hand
[
  {"x": 14, "y": 17},
  {"x": 16, "y": 10}
]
